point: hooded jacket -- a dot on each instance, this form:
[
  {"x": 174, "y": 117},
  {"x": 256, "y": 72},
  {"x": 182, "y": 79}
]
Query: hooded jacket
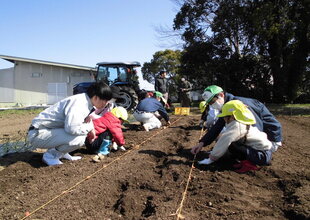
[{"x": 109, "y": 122}]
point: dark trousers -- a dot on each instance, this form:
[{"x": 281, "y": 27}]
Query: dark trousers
[
  {"x": 94, "y": 147},
  {"x": 185, "y": 99},
  {"x": 243, "y": 152}
]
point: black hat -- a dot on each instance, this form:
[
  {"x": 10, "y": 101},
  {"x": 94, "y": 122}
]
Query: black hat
[{"x": 116, "y": 92}]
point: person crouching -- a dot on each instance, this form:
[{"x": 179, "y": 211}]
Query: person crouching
[
  {"x": 149, "y": 111},
  {"x": 244, "y": 141},
  {"x": 108, "y": 128}
]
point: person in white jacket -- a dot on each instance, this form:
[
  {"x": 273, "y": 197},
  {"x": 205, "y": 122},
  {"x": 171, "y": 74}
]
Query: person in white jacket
[
  {"x": 244, "y": 141},
  {"x": 63, "y": 127}
]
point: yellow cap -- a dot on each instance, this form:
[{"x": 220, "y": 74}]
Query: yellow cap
[
  {"x": 120, "y": 112},
  {"x": 239, "y": 110},
  {"x": 202, "y": 106}
]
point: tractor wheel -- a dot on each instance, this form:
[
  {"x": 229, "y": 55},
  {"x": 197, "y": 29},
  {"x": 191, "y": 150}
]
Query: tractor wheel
[{"x": 129, "y": 98}]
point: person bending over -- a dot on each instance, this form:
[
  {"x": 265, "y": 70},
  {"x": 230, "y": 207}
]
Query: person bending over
[
  {"x": 245, "y": 142},
  {"x": 62, "y": 127}
]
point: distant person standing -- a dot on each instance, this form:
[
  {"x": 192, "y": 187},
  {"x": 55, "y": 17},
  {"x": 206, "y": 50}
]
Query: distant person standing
[
  {"x": 184, "y": 92},
  {"x": 161, "y": 84}
]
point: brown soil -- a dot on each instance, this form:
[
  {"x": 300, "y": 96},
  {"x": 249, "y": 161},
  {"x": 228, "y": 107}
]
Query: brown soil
[{"x": 148, "y": 181}]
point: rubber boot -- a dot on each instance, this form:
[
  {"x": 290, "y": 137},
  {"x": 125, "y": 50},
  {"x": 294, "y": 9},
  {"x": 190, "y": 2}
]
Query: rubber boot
[
  {"x": 104, "y": 147},
  {"x": 51, "y": 157}
]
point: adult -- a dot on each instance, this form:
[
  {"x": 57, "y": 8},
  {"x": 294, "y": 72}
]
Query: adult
[
  {"x": 148, "y": 112},
  {"x": 184, "y": 92},
  {"x": 265, "y": 120},
  {"x": 245, "y": 142},
  {"x": 62, "y": 127},
  {"x": 110, "y": 104},
  {"x": 161, "y": 84}
]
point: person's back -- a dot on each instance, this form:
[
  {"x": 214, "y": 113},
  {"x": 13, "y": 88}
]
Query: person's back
[
  {"x": 108, "y": 128},
  {"x": 146, "y": 112},
  {"x": 150, "y": 105},
  {"x": 265, "y": 120},
  {"x": 62, "y": 128},
  {"x": 244, "y": 141},
  {"x": 110, "y": 122}
]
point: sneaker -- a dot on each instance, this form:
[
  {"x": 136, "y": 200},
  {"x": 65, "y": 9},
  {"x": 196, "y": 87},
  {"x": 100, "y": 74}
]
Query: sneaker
[
  {"x": 101, "y": 156},
  {"x": 67, "y": 156},
  {"x": 52, "y": 156},
  {"x": 114, "y": 146},
  {"x": 122, "y": 148},
  {"x": 247, "y": 166},
  {"x": 96, "y": 159}
]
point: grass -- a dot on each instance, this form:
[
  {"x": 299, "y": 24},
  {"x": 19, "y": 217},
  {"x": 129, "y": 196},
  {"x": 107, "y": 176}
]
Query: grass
[
  {"x": 290, "y": 109},
  {"x": 20, "y": 111}
]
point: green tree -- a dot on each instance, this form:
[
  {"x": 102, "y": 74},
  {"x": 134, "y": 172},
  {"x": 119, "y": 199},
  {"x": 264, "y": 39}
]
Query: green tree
[
  {"x": 168, "y": 60},
  {"x": 255, "y": 47},
  {"x": 281, "y": 33}
]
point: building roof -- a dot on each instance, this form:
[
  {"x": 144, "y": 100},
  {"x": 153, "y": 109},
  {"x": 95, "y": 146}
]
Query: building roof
[
  {"x": 14, "y": 59},
  {"x": 134, "y": 63}
]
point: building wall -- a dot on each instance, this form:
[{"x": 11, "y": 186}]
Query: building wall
[
  {"x": 7, "y": 85},
  {"x": 32, "y": 82}
]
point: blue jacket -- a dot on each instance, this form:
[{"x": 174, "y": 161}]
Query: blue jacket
[
  {"x": 152, "y": 105},
  {"x": 265, "y": 121}
]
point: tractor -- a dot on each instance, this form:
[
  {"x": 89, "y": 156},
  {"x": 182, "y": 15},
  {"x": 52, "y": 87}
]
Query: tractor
[{"x": 120, "y": 74}]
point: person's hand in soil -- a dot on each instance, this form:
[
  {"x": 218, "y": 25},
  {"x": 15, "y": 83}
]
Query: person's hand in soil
[
  {"x": 197, "y": 148},
  {"x": 168, "y": 123}
]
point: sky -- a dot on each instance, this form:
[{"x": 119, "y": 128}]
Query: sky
[{"x": 83, "y": 32}]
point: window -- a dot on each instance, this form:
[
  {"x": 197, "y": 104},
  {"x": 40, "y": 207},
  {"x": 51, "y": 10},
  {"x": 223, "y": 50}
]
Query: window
[{"x": 36, "y": 75}]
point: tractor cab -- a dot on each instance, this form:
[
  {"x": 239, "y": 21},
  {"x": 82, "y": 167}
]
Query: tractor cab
[
  {"x": 120, "y": 74},
  {"x": 124, "y": 76},
  {"x": 117, "y": 73}
]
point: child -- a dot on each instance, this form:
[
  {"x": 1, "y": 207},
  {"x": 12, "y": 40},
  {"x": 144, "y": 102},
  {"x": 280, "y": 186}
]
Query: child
[
  {"x": 148, "y": 112},
  {"x": 108, "y": 128},
  {"x": 244, "y": 141},
  {"x": 208, "y": 115}
]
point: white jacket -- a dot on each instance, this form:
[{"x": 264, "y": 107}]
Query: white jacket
[
  {"x": 68, "y": 113},
  {"x": 235, "y": 130}
]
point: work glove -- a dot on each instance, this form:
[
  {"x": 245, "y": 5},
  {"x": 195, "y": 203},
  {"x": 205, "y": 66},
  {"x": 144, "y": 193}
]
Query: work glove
[{"x": 206, "y": 161}]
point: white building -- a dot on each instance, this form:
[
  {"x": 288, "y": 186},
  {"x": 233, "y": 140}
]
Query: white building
[{"x": 37, "y": 82}]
